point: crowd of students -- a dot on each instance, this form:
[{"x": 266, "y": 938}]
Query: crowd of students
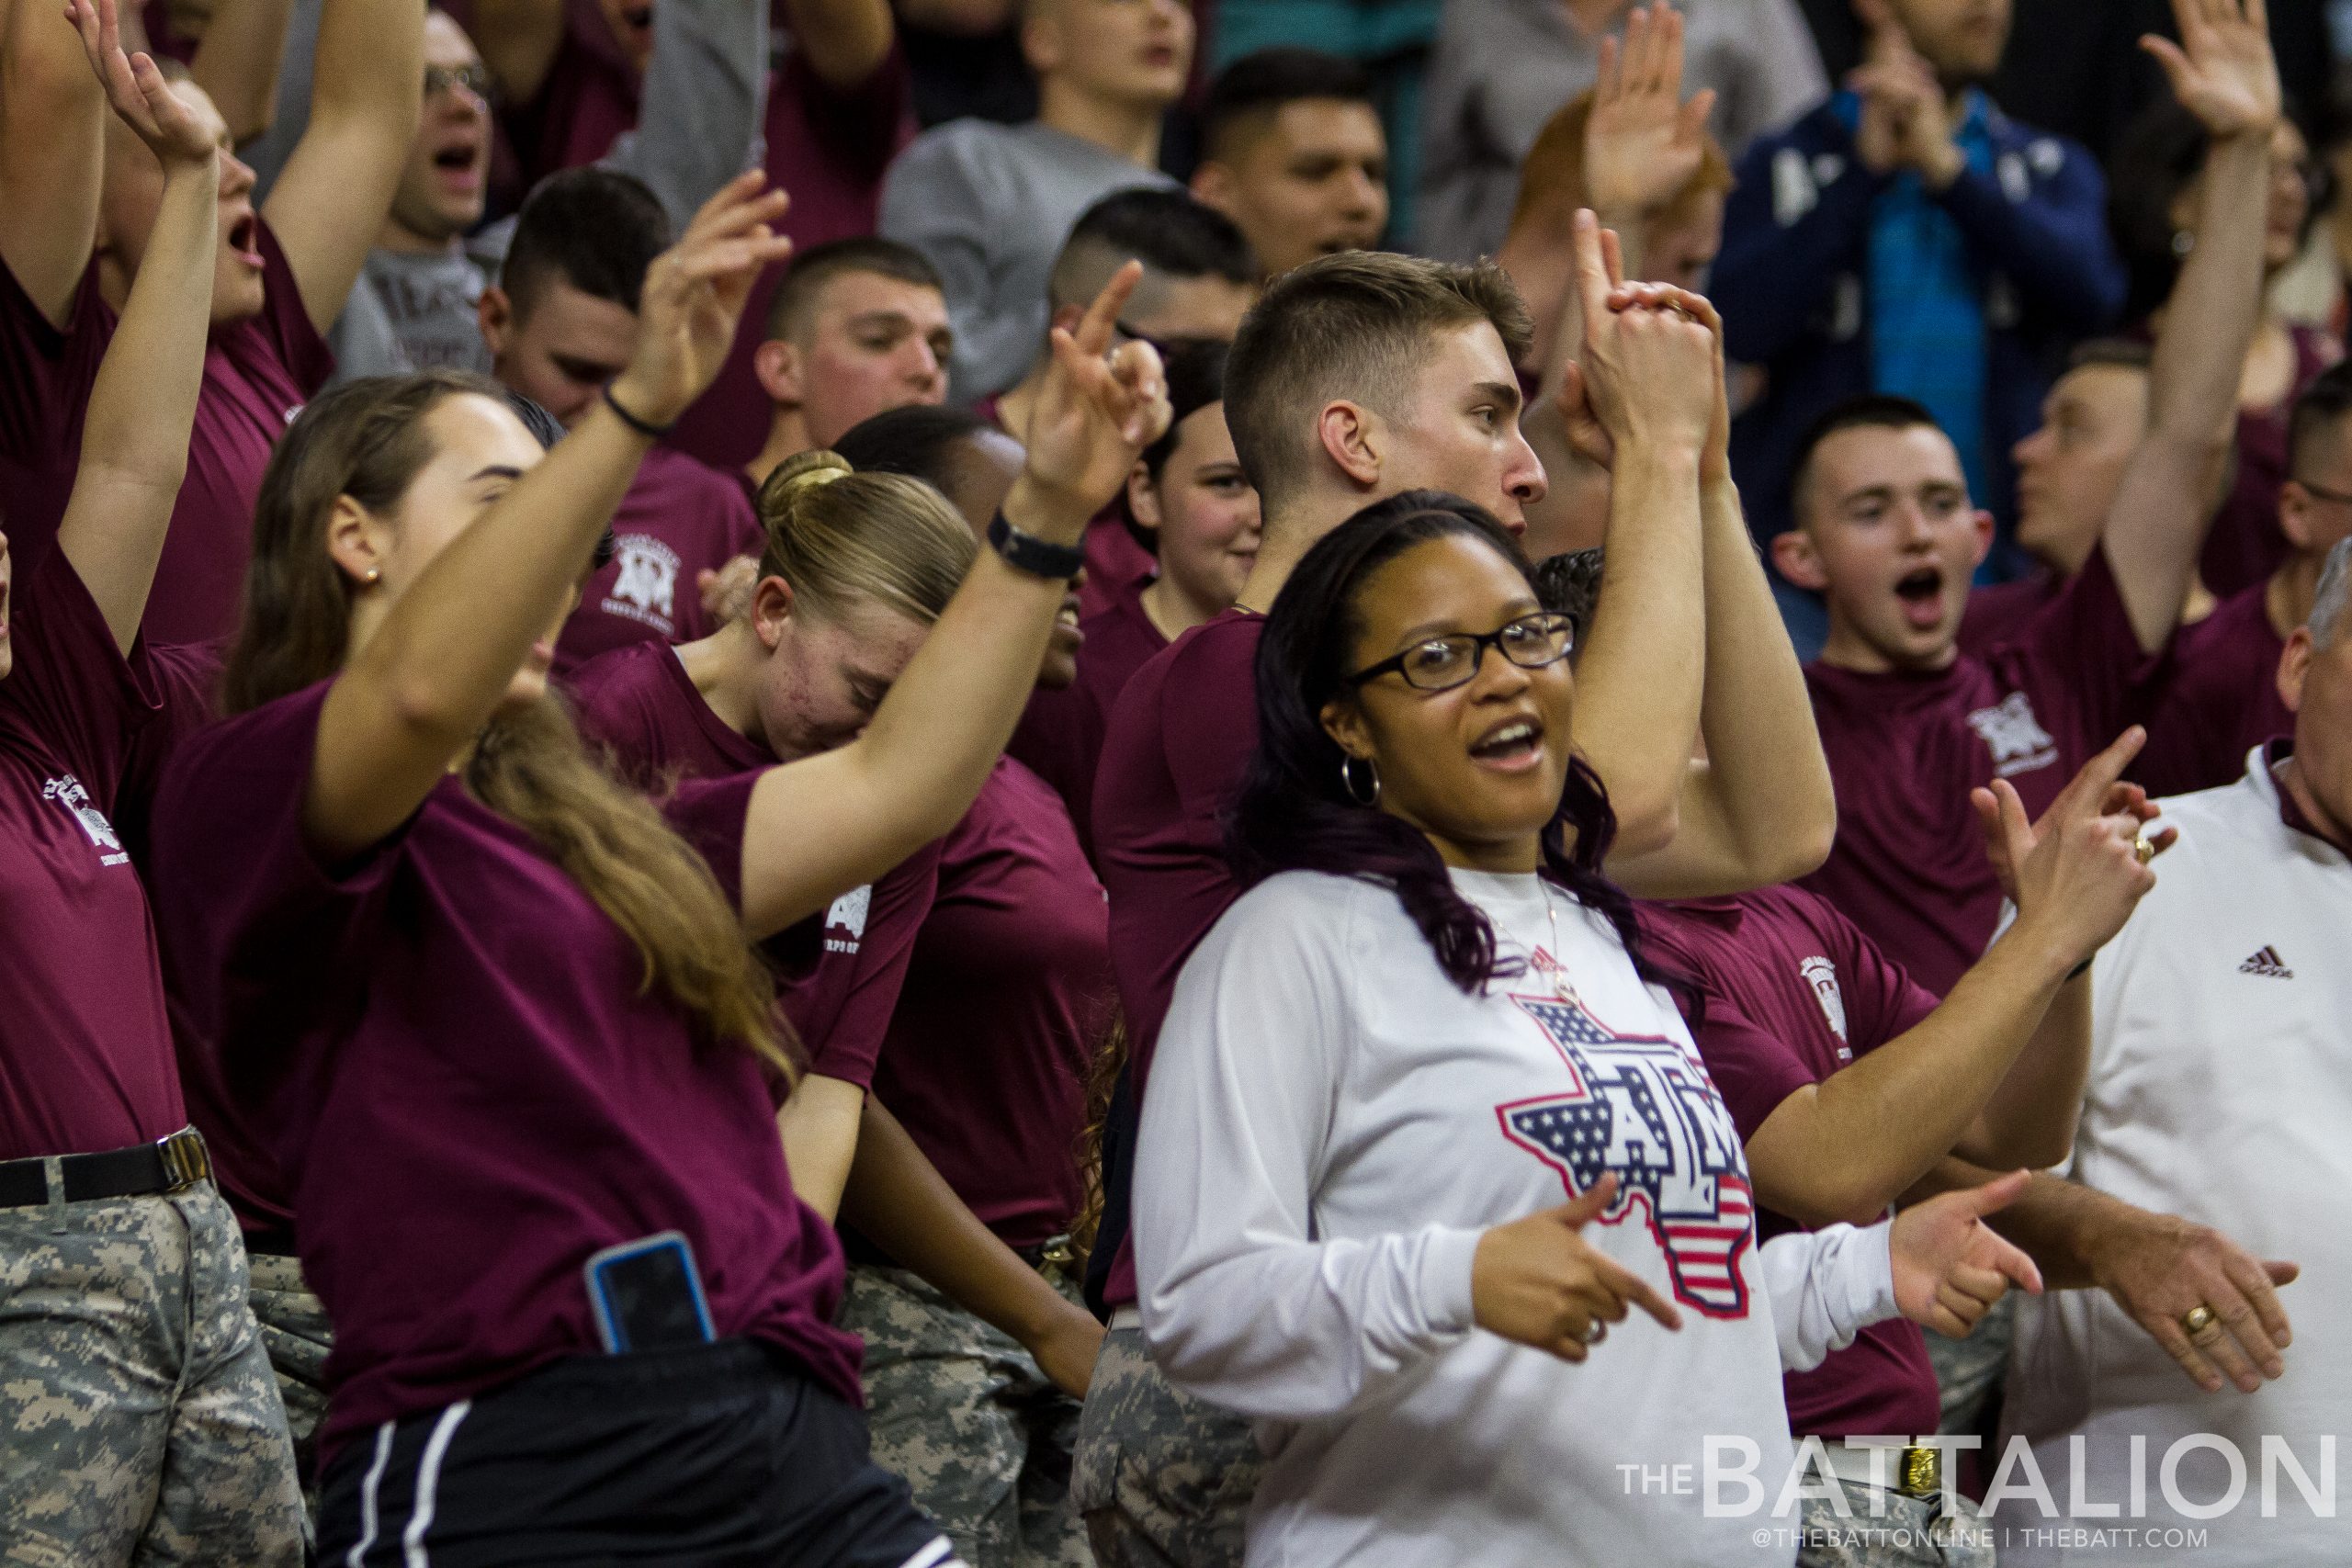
[{"x": 1295, "y": 815}]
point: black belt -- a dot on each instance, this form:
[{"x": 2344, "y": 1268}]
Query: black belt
[{"x": 165, "y": 1166}]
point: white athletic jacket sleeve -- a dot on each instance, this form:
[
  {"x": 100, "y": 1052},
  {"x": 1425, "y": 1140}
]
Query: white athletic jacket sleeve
[
  {"x": 1825, "y": 1287},
  {"x": 1241, "y": 1303}
]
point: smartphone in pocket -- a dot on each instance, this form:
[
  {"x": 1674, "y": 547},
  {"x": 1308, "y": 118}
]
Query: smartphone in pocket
[{"x": 647, "y": 1295}]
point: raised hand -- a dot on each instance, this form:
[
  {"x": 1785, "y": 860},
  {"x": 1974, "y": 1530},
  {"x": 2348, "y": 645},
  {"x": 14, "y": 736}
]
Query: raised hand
[
  {"x": 2075, "y": 874},
  {"x": 2221, "y": 71},
  {"x": 2159, "y": 1268},
  {"x": 138, "y": 91},
  {"x": 1097, "y": 408},
  {"x": 1643, "y": 144},
  {"x": 1648, "y": 362},
  {"x": 693, "y": 297},
  {"x": 1538, "y": 1283},
  {"x": 1949, "y": 1266}
]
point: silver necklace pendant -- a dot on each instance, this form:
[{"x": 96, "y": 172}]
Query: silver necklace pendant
[{"x": 1549, "y": 962}]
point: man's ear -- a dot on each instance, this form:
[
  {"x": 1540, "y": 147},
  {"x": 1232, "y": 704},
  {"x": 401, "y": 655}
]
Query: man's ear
[
  {"x": 777, "y": 364},
  {"x": 2295, "y": 514},
  {"x": 1213, "y": 186},
  {"x": 496, "y": 313},
  {"x": 2294, "y": 665},
  {"x": 1354, "y": 439},
  {"x": 1799, "y": 562},
  {"x": 1041, "y": 42},
  {"x": 1984, "y": 526},
  {"x": 771, "y": 609}
]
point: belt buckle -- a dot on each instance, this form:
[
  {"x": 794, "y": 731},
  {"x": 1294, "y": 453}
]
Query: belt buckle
[
  {"x": 1922, "y": 1471},
  {"x": 185, "y": 1159},
  {"x": 1059, "y": 1252}
]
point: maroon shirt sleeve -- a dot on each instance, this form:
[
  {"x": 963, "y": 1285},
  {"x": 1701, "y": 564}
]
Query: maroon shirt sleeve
[
  {"x": 45, "y": 381},
  {"x": 852, "y": 1040},
  {"x": 709, "y": 813},
  {"x": 1753, "y": 1067},
  {"x": 2080, "y": 656},
  {"x": 1882, "y": 1000},
  {"x": 82, "y": 696},
  {"x": 859, "y": 127}
]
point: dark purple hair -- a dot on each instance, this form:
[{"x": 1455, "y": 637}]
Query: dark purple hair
[{"x": 1294, "y": 814}]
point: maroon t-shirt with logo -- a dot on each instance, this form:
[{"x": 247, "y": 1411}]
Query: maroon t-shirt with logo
[
  {"x": 679, "y": 519},
  {"x": 446, "y": 1039},
  {"x": 1794, "y": 992},
  {"x": 1060, "y": 735},
  {"x": 86, "y": 1046},
  {"x": 1998, "y": 612},
  {"x": 2219, "y": 700},
  {"x": 1904, "y": 750},
  {"x": 1178, "y": 747},
  {"x": 838, "y": 975},
  {"x": 1007, "y": 999},
  {"x": 257, "y": 375}
]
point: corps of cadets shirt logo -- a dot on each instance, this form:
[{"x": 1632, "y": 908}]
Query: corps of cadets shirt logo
[
  {"x": 1822, "y": 975},
  {"x": 848, "y": 915},
  {"x": 645, "y": 586},
  {"x": 2014, "y": 736},
  {"x": 1643, "y": 1108},
  {"x": 67, "y": 791}
]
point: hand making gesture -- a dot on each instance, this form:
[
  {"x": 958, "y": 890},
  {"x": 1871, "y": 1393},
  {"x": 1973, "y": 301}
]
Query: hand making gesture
[
  {"x": 694, "y": 299},
  {"x": 137, "y": 91},
  {"x": 2077, "y": 874},
  {"x": 1099, "y": 407},
  {"x": 1643, "y": 144},
  {"x": 1949, "y": 1266},
  {"x": 1650, "y": 366},
  {"x": 2221, "y": 71}
]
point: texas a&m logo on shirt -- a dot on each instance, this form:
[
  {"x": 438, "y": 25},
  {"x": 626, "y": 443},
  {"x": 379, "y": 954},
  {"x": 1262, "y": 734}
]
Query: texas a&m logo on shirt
[
  {"x": 2014, "y": 736},
  {"x": 845, "y": 921},
  {"x": 646, "y": 588},
  {"x": 67, "y": 791},
  {"x": 1821, "y": 975},
  {"x": 1644, "y": 1110}
]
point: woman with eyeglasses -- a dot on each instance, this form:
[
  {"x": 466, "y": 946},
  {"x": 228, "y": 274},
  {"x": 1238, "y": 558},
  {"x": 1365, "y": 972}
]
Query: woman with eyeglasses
[{"x": 1425, "y": 1127}]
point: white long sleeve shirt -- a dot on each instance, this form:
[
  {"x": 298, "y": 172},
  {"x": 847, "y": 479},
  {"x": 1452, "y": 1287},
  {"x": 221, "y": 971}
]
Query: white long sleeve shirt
[
  {"x": 2221, "y": 1090},
  {"x": 1332, "y": 1126}
]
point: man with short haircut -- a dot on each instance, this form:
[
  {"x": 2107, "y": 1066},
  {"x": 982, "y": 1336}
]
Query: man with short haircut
[
  {"x": 1906, "y": 237},
  {"x": 2222, "y": 698},
  {"x": 1291, "y": 149},
  {"x": 1359, "y": 377},
  {"x": 560, "y": 324},
  {"x": 990, "y": 204},
  {"x": 856, "y": 328},
  {"x": 2217, "y": 1092}
]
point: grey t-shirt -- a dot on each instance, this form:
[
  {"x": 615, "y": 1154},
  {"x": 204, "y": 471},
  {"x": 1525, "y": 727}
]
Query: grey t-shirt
[
  {"x": 410, "y": 313},
  {"x": 991, "y": 206}
]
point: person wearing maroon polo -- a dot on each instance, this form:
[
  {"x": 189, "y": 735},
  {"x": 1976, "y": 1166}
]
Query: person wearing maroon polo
[
  {"x": 1189, "y": 498},
  {"x": 2222, "y": 698},
  {"x": 587, "y": 1068},
  {"x": 145, "y": 1418},
  {"x": 1323, "y": 426},
  {"x": 856, "y": 328},
  {"x": 1199, "y": 278},
  {"x": 78, "y": 202},
  {"x": 561, "y": 323}
]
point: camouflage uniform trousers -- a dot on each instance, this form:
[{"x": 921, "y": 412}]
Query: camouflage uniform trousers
[
  {"x": 139, "y": 1423},
  {"x": 1969, "y": 1371},
  {"x": 969, "y": 1419},
  {"x": 1904, "y": 1532},
  {"x": 296, "y": 1334},
  {"x": 1163, "y": 1480}
]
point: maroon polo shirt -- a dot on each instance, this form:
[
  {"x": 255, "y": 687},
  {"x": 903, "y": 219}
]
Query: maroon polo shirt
[
  {"x": 257, "y": 375},
  {"x": 1995, "y": 614},
  {"x": 838, "y": 975},
  {"x": 1175, "y": 755},
  {"x": 2244, "y": 545},
  {"x": 2219, "y": 700},
  {"x": 85, "y": 1046},
  {"x": 1794, "y": 992},
  {"x": 679, "y": 519},
  {"x": 1005, "y": 1002},
  {"x": 465, "y": 1081},
  {"x": 1905, "y": 748},
  {"x": 1060, "y": 737}
]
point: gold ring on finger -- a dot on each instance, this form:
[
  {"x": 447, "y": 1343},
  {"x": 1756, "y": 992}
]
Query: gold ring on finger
[
  {"x": 2146, "y": 849},
  {"x": 2198, "y": 1318}
]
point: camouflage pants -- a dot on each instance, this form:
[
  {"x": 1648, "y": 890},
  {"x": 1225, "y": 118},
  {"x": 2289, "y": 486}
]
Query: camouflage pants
[
  {"x": 1969, "y": 1371},
  {"x": 1163, "y": 1480},
  {"x": 138, "y": 1419},
  {"x": 967, "y": 1417},
  {"x": 296, "y": 1334},
  {"x": 1906, "y": 1532}
]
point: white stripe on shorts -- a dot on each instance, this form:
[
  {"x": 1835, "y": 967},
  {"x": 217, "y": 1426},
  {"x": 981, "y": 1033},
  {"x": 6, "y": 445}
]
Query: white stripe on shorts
[
  {"x": 428, "y": 1478},
  {"x": 358, "y": 1552}
]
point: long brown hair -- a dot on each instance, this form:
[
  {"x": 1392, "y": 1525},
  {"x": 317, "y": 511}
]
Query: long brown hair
[{"x": 368, "y": 440}]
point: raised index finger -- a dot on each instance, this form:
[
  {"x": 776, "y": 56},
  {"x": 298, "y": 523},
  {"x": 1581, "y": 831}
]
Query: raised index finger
[
  {"x": 1093, "y": 334},
  {"x": 2084, "y": 794}
]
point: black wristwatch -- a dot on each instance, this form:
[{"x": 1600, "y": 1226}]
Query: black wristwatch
[{"x": 1038, "y": 558}]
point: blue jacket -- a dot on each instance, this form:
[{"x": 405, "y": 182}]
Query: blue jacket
[{"x": 1789, "y": 285}]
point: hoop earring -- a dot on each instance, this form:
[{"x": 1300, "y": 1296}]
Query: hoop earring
[{"x": 1347, "y": 779}]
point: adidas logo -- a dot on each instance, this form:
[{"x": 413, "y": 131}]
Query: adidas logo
[{"x": 2269, "y": 965}]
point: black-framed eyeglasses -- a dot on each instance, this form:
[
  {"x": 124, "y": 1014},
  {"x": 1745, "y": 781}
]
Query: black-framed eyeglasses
[
  {"x": 1444, "y": 662},
  {"x": 2320, "y": 492},
  {"x": 474, "y": 79}
]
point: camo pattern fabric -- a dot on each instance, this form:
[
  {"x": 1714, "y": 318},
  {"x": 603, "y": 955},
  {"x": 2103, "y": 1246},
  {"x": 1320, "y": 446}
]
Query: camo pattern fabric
[
  {"x": 1163, "y": 1480},
  {"x": 1969, "y": 1371},
  {"x": 139, "y": 1422},
  {"x": 966, "y": 1415},
  {"x": 1904, "y": 1532},
  {"x": 297, "y": 1335}
]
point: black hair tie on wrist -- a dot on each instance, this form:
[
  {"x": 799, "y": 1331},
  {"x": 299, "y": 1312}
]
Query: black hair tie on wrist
[
  {"x": 646, "y": 428},
  {"x": 1030, "y": 554}
]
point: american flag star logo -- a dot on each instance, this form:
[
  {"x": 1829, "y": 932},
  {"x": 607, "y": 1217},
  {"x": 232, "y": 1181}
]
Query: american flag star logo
[{"x": 1640, "y": 1107}]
